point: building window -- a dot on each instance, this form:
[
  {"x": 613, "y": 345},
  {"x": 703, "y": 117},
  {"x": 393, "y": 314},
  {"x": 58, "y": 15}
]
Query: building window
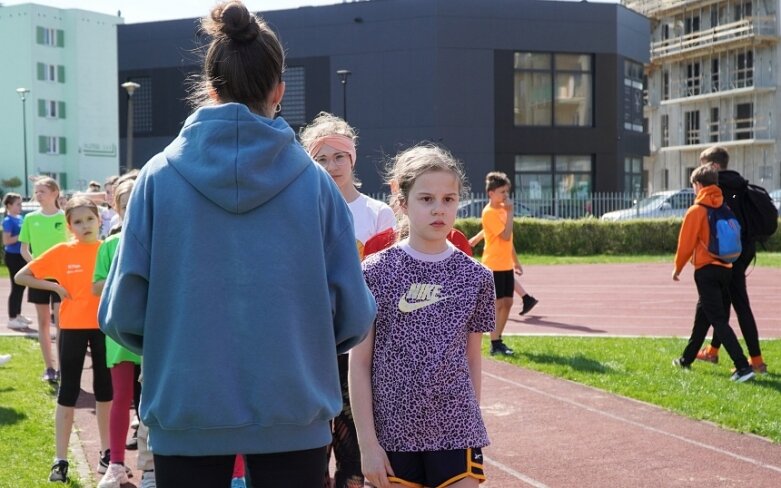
[
  {"x": 633, "y": 175},
  {"x": 713, "y": 125},
  {"x": 693, "y": 79},
  {"x": 294, "y": 106},
  {"x": 51, "y": 145},
  {"x": 50, "y": 37},
  {"x": 692, "y": 134},
  {"x": 691, "y": 24},
  {"x": 665, "y": 179},
  {"x": 714, "y": 75},
  {"x": 633, "y": 96},
  {"x": 744, "y": 121},
  {"x": 744, "y": 74},
  {"x": 742, "y": 11},
  {"x": 665, "y": 85},
  {"x": 51, "y": 109},
  {"x": 665, "y": 122},
  {"x": 563, "y": 177},
  {"x": 51, "y": 72},
  {"x": 553, "y": 89},
  {"x": 665, "y": 31}
]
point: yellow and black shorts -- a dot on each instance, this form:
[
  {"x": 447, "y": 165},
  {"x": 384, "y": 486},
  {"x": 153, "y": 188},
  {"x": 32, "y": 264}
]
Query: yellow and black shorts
[{"x": 436, "y": 469}]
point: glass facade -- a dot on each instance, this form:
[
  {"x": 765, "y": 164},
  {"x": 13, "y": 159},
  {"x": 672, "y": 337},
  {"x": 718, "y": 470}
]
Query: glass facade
[{"x": 553, "y": 89}]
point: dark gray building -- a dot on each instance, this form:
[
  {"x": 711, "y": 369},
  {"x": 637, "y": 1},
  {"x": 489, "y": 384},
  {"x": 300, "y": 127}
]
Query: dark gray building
[{"x": 549, "y": 92}]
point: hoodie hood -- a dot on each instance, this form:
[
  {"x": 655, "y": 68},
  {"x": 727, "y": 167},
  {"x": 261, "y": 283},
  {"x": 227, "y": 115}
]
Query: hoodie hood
[
  {"x": 731, "y": 181},
  {"x": 236, "y": 159},
  {"x": 710, "y": 196}
]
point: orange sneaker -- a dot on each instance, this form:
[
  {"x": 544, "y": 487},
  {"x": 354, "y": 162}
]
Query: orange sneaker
[
  {"x": 705, "y": 354},
  {"x": 759, "y": 366}
]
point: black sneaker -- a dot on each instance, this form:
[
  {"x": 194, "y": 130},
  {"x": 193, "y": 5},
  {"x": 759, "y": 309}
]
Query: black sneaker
[
  {"x": 132, "y": 444},
  {"x": 678, "y": 363},
  {"x": 742, "y": 375},
  {"x": 50, "y": 375},
  {"x": 503, "y": 349},
  {"x": 528, "y": 303},
  {"x": 105, "y": 460},
  {"x": 59, "y": 472}
]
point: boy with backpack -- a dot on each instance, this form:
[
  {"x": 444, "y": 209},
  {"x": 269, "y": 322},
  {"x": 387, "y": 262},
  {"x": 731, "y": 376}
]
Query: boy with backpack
[
  {"x": 708, "y": 226},
  {"x": 758, "y": 219}
]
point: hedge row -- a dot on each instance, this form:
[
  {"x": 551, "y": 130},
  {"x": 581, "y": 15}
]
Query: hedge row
[{"x": 585, "y": 237}]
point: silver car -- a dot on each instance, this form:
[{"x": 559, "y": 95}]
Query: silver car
[{"x": 663, "y": 204}]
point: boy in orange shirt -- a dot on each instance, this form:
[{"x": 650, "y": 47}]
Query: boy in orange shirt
[
  {"x": 711, "y": 275},
  {"x": 499, "y": 255},
  {"x": 72, "y": 264}
]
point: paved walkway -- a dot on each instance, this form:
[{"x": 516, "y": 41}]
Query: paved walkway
[{"x": 548, "y": 432}]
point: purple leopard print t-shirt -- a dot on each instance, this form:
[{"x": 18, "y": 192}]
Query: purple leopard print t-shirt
[{"x": 422, "y": 393}]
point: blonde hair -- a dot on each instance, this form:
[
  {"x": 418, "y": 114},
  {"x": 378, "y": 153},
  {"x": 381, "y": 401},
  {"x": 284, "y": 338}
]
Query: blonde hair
[
  {"x": 80, "y": 202},
  {"x": 123, "y": 188},
  {"x": 52, "y": 185},
  {"x": 410, "y": 164},
  {"x": 328, "y": 124}
]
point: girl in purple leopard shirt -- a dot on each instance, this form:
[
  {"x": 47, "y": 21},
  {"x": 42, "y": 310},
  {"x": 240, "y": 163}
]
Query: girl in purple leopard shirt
[{"x": 415, "y": 380}]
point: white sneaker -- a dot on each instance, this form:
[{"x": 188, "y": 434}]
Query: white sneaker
[
  {"x": 148, "y": 480},
  {"x": 24, "y": 319},
  {"x": 114, "y": 478},
  {"x": 4, "y": 358},
  {"x": 17, "y": 324}
]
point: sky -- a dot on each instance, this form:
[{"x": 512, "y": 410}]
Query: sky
[{"x": 135, "y": 11}]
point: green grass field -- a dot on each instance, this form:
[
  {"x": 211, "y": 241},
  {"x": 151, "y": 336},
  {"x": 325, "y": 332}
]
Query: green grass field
[
  {"x": 26, "y": 417},
  {"x": 641, "y": 368}
]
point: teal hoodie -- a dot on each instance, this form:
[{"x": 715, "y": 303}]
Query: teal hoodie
[{"x": 238, "y": 279}]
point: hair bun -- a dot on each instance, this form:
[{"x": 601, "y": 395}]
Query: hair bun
[{"x": 233, "y": 20}]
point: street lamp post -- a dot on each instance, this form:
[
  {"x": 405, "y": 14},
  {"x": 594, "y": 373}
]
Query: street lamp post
[
  {"x": 23, "y": 95},
  {"x": 343, "y": 74},
  {"x": 130, "y": 87}
]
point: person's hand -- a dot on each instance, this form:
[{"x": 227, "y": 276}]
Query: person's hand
[
  {"x": 508, "y": 206},
  {"x": 61, "y": 291},
  {"x": 518, "y": 269},
  {"x": 376, "y": 467},
  {"x": 675, "y": 276}
]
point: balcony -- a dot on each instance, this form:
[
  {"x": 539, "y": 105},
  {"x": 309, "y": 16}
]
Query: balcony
[
  {"x": 748, "y": 31},
  {"x": 753, "y": 131},
  {"x": 735, "y": 83},
  {"x": 659, "y": 8}
]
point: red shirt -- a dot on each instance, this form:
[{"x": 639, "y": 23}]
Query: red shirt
[{"x": 386, "y": 238}]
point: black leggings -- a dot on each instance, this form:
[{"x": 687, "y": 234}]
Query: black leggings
[
  {"x": 15, "y": 262},
  {"x": 72, "y": 346},
  {"x": 297, "y": 469}
]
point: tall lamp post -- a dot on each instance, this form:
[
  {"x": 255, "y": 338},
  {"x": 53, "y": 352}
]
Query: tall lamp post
[
  {"x": 343, "y": 74},
  {"x": 23, "y": 95},
  {"x": 130, "y": 87}
]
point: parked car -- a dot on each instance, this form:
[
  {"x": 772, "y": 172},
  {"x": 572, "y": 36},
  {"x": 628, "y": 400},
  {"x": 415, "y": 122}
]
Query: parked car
[
  {"x": 473, "y": 207},
  {"x": 776, "y": 196},
  {"x": 663, "y": 204}
]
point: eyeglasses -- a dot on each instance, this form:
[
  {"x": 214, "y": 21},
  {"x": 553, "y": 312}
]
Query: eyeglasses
[{"x": 338, "y": 159}]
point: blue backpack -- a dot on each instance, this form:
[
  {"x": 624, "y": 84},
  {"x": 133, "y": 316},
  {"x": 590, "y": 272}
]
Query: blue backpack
[{"x": 724, "y": 243}]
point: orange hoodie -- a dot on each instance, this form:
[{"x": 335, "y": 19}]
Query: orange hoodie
[{"x": 695, "y": 232}]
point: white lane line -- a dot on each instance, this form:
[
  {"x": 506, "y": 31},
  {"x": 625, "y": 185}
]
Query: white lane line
[
  {"x": 512, "y": 472},
  {"x": 755, "y": 462}
]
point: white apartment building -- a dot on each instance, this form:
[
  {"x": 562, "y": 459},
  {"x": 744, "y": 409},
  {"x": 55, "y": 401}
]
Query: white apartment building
[
  {"x": 67, "y": 59},
  {"x": 713, "y": 79}
]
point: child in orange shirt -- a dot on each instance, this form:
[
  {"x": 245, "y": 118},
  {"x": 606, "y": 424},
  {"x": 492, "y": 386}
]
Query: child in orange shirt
[
  {"x": 72, "y": 264},
  {"x": 711, "y": 275}
]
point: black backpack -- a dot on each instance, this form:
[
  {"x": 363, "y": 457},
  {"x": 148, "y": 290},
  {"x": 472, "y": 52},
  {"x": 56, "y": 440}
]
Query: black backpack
[{"x": 760, "y": 216}]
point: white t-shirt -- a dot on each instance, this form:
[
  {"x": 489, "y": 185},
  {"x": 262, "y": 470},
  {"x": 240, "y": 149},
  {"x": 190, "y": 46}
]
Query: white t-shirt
[{"x": 370, "y": 217}]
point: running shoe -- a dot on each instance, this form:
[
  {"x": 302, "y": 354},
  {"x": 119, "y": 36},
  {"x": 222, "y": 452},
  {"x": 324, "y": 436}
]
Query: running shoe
[
  {"x": 59, "y": 472},
  {"x": 706, "y": 355},
  {"x": 115, "y": 476},
  {"x": 679, "y": 363},
  {"x": 528, "y": 304},
  {"x": 4, "y": 358},
  {"x": 50, "y": 375},
  {"x": 17, "y": 324},
  {"x": 742, "y": 375}
]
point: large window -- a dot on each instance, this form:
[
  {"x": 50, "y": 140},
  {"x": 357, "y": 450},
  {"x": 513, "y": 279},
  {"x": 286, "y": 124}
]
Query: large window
[
  {"x": 50, "y": 37},
  {"x": 744, "y": 121},
  {"x": 692, "y": 129},
  {"x": 713, "y": 125},
  {"x": 540, "y": 177},
  {"x": 633, "y": 96},
  {"x": 744, "y": 74},
  {"x": 693, "y": 79},
  {"x": 665, "y": 122},
  {"x": 553, "y": 89},
  {"x": 633, "y": 175}
]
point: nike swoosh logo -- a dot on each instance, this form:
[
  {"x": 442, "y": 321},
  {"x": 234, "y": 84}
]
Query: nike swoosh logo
[{"x": 407, "y": 307}]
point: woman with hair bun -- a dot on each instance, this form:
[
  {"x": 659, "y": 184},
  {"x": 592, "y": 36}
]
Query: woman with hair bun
[{"x": 240, "y": 322}]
